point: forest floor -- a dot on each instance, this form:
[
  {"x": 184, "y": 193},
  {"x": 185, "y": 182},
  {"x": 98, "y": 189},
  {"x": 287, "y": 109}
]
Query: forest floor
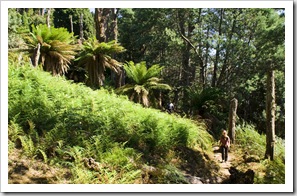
[
  {"x": 25, "y": 171},
  {"x": 22, "y": 170}
]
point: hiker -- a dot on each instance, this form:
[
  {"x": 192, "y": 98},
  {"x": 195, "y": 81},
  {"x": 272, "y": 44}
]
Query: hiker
[
  {"x": 224, "y": 144},
  {"x": 170, "y": 107}
]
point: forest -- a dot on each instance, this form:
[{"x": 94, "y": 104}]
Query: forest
[{"x": 89, "y": 94}]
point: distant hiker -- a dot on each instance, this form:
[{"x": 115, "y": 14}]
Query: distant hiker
[
  {"x": 224, "y": 144},
  {"x": 170, "y": 107}
]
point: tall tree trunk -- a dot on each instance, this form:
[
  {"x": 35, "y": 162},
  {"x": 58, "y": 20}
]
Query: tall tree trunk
[
  {"x": 228, "y": 48},
  {"x": 114, "y": 25},
  {"x": 203, "y": 67},
  {"x": 71, "y": 23},
  {"x": 118, "y": 78},
  {"x": 42, "y": 12},
  {"x": 48, "y": 17},
  {"x": 232, "y": 119},
  {"x": 81, "y": 27},
  {"x": 270, "y": 115},
  {"x": 36, "y": 55},
  {"x": 214, "y": 78},
  {"x": 101, "y": 15}
]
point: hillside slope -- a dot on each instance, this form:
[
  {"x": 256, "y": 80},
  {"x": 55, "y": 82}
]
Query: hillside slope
[{"x": 98, "y": 137}]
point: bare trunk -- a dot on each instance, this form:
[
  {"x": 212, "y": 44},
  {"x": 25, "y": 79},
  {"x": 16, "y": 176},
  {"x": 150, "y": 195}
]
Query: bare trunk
[
  {"x": 226, "y": 59},
  {"x": 214, "y": 78},
  {"x": 48, "y": 17},
  {"x": 71, "y": 23},
  {"x": 42, "y": 12},
  {"x": 118, "y": 78},
  {"x": 101, "y": 15},
  {"x": 114, "y": 16},
  {"x": 81, "y": 28},
  {"x": 232, "y": 119},
  {"x": 36, "y": 55},
  {"x": 270, "y": 115},
  {"x": 203, "y": 68}
]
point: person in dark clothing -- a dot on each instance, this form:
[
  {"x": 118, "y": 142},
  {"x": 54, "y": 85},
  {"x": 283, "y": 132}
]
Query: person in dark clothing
[
  {"x": 224, "y": 144},
  {"x": 170, "y": 107}
]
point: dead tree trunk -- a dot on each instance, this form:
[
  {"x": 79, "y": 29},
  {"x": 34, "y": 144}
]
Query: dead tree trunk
[
  {"x": 270, "y": 115},
  {"x": 232, "y": 119}
]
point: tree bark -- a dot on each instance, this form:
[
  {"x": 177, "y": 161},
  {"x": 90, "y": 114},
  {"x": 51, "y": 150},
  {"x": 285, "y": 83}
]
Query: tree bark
[
  {"x": 48, "y": 17},
  {"x": 71, "y": 23},
  {"x": 81, "y": 27},
  {"x": 232, "y": 119},
  {"x": 101, "y": 15},
  {"x": 228, "y": 48},
  {"x": 270, "y": 115},
  {"x": 214, "y": 78},
  {"x": 114, "y": 25},
  {"x": 203, "y": 66},
  {"x": 42, "y": 12},
  {"x": 36, "y": 55},
  {"x": 120, "y": 77}
]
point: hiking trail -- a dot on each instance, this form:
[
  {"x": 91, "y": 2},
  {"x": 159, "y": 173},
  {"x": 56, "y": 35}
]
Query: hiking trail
[{"x": 225, "y": 166}]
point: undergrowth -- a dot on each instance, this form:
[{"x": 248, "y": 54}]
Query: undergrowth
[
  {"x": 251, "y": 142},
  {"x": 65, "y": 124}
]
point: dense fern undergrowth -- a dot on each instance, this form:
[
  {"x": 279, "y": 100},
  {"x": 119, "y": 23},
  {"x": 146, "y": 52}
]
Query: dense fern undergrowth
[{"x": 98, "y": 136}]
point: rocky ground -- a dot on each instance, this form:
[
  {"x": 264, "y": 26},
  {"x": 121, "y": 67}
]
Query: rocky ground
[{"x": 24, "y": 171}]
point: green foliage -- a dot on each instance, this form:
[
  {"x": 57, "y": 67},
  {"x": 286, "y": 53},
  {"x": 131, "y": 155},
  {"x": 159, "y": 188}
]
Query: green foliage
[
  {"x": 171, "y": 175},
  {"x": 254, "y": 144},
  {"x": 14, "y": 23},
  {"x": 143, "y": 82},
  {"x": 62, "y": 15},
  {"x": 56, "y": 47},
  {"x": 96, "y": 57},
  {"x": 65, "y": 123},
  {"x": 28, "y": 146}
]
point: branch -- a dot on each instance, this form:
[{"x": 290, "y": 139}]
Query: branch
[{"x": 191, "y": 44}]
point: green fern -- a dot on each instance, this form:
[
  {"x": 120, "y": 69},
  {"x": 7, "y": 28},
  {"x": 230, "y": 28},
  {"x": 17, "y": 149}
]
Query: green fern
[
  {"x": 27, "y": 145},
  {"x": 96, "y": 57},
  {"x": 44, "y": 156},
  {"x": 144, "y": 82},
  {"x": 56, "y": 47}
]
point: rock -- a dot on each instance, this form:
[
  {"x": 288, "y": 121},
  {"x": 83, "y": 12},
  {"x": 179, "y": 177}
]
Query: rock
[
  {"x": 91, "y": 164},
  {"x": 252, "y": 158},
  {"x": 151, "y": 170},
  {"x": 18, "y": 143},
  {"x": 193, "y": 179},
  {"x": 238, "y": 177}
]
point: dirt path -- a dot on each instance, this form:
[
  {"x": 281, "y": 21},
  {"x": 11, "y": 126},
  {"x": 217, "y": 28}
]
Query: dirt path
[{"x": 225, "y": 166}]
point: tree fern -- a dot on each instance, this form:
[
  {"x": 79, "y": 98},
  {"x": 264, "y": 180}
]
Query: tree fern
[
  {"x": 56, "y": 47},
  {"x": 96, "y": 57},
  {"x": 143, "y": 82}
]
